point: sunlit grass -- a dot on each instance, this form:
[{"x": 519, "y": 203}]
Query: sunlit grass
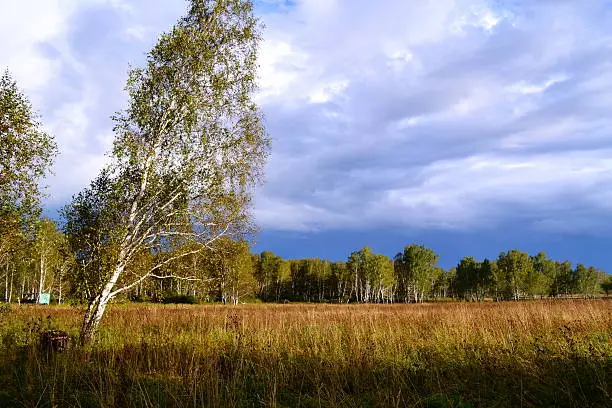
[{"x": 455, "y": 354}]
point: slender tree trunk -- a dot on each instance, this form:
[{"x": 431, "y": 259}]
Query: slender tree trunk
[
  {"x": 22, "y": 288},
  {"x": 356, "y": 287},
  {"x": 59, "y": 299},
  {"x": 96, "y": 307},
  {"x": 92, "y": 319},
  {"x": 11, "y": 286},
  {"x": 6, "y": 283},
  {"x": 41, "y": 283}
]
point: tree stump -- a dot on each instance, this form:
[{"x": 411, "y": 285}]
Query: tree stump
[{"x": 55, "y": 340}]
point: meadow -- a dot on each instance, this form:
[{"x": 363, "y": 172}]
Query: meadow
[{"x": 509, "y": 354}]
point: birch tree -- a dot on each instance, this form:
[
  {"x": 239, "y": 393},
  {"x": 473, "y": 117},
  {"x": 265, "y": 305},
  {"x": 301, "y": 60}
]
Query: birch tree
[
  {"x": 26, "y": 154},
  {"x": 232, "y": 270},
  {"x": 515, "y": 266},
  {"x": 415, "y": 270},
  {"x": 188, "y": 149},
  {"x": 48, "y": 245}
]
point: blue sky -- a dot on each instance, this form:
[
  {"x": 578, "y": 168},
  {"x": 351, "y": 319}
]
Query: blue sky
[{"x": 471, "y": 126}]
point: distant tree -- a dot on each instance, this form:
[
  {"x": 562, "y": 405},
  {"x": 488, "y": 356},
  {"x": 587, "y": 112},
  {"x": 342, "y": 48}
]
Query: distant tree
[
  {"x": 302, "y": 279},
  {"x": 415, "y": 270},
  {"x": 187, "y": 152},
  {"x": 283, "y": 281},
  {"x": 473, "y": 279},
  {"x": 466, "y": 277},
  {"x": 321, "y": 273},
  {"x": 89, "y": 226},
  {"x": 541, "y": 276},
  {"x": 484, "y": 282},
  {"x": 445, "y": 283},
  {"x": 372, "y": 275},
  {"x": 341, "y": 281},
  {"x": 383, "y": 279},
  {"x": 353, "y": 266},
  {"x": 586, "y": 280},
  {"x": 232, "y": 270},
  {"x": 267, "y": 273},
  {"x": 14, "y": 252},
  {"x": 606, "y": 284},
  {"x": 52, "y": 257},
  {"x": 499, "y": 286},
  {"x": 516, "y": 267},
  {"x": 563, "y": 282}
]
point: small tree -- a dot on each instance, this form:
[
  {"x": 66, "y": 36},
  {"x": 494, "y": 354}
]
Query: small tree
[
  {"x": 587, "y": 280},
  {"x": 232, "y": 270},
  {"x": 26, "y": 153},
  {"x": 267, "y": 270},
  {"x": 415, "y": 270},
  {"x": 467, "y": 277},
  {"x": 606, "y": 284},
  {"x": 187, "y": 151},
  {"x": 516, "y": 267},
  {"x": 51, "y": 258},
  {"x": 541, "y": 278}
]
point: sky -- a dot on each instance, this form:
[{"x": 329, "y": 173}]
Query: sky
[{"x": 469, "y": 126}]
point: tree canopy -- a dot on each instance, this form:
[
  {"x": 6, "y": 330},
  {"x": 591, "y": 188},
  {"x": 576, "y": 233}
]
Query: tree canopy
[{"x": 26, "y": 154}]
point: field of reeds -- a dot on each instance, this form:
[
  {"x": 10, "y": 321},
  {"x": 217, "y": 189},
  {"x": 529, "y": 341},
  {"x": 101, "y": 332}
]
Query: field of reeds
[{"x": 541, "y": 353}]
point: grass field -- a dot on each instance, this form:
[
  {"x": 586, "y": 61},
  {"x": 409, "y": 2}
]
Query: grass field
[{"x": 544, "y": 353}]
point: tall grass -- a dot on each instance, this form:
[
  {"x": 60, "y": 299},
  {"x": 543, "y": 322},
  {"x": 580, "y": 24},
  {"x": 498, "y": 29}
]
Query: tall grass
[{"x": 496, "y": 354}]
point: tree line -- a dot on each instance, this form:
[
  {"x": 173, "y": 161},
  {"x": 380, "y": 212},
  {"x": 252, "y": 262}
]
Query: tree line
[
  {"x": 413, "y": 275},
  {"x": 229, "y": 272}
]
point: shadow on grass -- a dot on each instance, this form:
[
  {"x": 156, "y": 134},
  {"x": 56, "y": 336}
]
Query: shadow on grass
[{"x": 182, "y": 376}]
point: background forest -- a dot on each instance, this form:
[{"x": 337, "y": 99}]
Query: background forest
[{"x": 44, "y": 261}]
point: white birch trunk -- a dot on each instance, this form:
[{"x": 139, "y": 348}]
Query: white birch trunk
[
  {"x": 41, "y": 283},
  {"x": 11, "y": 286},
  {"x": 6, "y": 283},
  {"x": 97, "y": 307}
]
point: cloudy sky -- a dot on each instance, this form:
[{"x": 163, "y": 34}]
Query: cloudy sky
[{"x": 471, "y": 126}]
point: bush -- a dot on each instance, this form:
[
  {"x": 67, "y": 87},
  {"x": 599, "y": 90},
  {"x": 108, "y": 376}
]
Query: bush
[
  {"x": 140, "y": 299},
  {"x": 180, "y": 299}
]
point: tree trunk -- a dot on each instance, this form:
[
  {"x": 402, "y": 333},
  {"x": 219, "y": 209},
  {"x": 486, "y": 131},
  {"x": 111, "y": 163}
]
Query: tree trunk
[
  {"x": 92, "y": 319},
  {"x": 97, "y": 306},
  {"x": 6, "y": 283},
  {"x": 22, "y": 288},
  {"x": 93, "y": 316},
  {"x": 11, "y": 287},
  {"x": 42, "y": 276}
]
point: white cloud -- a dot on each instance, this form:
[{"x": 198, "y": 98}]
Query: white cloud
[
  {"x": 451, "y": 115},
  {"x": 524, "y": 87},
  {"x": 64, "y": 55},
  {"x": 25, "y": 25},
  {"x": 424, "y": 114}
]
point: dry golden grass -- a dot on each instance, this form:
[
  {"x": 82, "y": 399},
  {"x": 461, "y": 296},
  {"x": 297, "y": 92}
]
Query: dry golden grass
[{"x": 446, "y": 354}]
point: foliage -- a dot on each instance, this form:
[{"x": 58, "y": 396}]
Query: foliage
[
  {"x": 416, "y": 272},
  {"x": 606, "y": 284},
  {"x": 26, "y": 153},
  {"x": 171, "y": 297}
]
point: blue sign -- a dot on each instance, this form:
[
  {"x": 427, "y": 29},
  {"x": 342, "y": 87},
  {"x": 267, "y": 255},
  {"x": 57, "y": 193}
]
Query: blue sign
[{"x": 44, "y": 298}]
